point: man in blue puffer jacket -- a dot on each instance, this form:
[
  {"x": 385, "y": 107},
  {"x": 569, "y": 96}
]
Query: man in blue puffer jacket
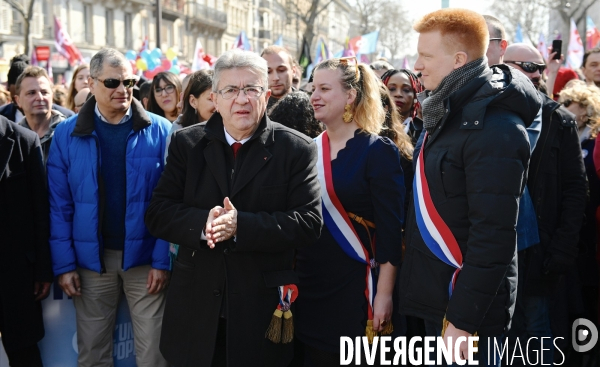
[{"x": 102, "y": 168}]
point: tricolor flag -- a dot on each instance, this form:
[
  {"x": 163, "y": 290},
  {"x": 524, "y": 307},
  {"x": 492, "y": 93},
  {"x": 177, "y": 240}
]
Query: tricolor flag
[
  {"x": 199, "y": 55},
  {"x": 242, "y": 42},
  {"x": 575, "y": 50},
  {"x": 64, "y": 45},
  {"x": 592, "y": 35}
]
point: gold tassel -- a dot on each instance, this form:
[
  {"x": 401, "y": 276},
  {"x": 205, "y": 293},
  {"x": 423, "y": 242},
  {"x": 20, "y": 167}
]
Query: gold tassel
[
  {"x": 445, "y": 326},
  {"x": 369, "y": 332},
  {"x": 274, "y": 331},
  {"x": 388, "y": 329},
  {"x": 287, "y": 334}
]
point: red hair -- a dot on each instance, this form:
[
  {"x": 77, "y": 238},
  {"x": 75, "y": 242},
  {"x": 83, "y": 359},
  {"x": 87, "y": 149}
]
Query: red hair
[{"x": 465, "y": 30}]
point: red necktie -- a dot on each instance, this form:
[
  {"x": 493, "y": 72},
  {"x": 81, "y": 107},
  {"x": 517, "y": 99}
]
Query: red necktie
[{"x": 236, "y": 146}]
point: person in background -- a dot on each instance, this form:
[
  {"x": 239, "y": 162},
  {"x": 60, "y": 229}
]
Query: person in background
[
  {"x": 4, "y": 96},
  {"x": 25, "y": 263},
  {"x": 295, "y": 111},
  {"x": 497, "y": 42},
  {"x": 591, "y": 66},
  {"x": 80, "y": 98},
  {"x": 404, "y": 86},
  {"x": 12, "y": 111},
  {"x": 59, "y": 95},
  {"x": 34, "y": 96},
  {"x": 281, "y": 72},
  {"x": 361, "y": 171},
  {"x": 99, "y": 243},
  {"x": 380, "y": 67},
  {"x": 297, "y": 78},
  {"x": 556, "y": 184},
  {"x": 79, "y": 81},
  {"x": 197, "y": 104},
  {"x": 583, "y": 100},
  {"x": 145, "y": 89},
  {"x": 164, "y": 95}
]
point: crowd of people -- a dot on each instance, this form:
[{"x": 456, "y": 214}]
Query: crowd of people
[{"x": 252, "y": 222}]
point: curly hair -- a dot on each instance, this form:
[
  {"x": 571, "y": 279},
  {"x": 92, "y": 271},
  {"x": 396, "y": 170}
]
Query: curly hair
[
  {"x": 170, "y": 79},
  {"x": 367, "y": 109},
  {"x": 588, "y": 97},
  {"x": 296, "y": 112},
  {"x": 70, "y": 104},
  {"x": 465, "y": 30},
  {"x": 392, "y": 126}
]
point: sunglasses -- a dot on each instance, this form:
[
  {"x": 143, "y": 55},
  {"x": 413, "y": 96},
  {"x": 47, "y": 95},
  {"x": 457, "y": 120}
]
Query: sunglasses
[
  {"x": 495, "y": 39},
  {"x": 528, "y": 67},
  {"x": 111, "y": 83}
]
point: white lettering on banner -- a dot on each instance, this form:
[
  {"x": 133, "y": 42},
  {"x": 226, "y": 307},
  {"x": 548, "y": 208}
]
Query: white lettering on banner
[{"x": 123, "y": 343}]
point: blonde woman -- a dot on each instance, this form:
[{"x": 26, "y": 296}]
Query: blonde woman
[
  {"x": 79, "y": 81},
  {"x": 347, "y": 278}
]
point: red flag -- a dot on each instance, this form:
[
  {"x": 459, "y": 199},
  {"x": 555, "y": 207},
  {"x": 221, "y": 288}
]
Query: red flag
[{"x": 64, "y": 45}]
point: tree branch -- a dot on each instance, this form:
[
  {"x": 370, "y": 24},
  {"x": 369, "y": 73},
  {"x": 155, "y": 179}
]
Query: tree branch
[{"x": 18, "y": 7}]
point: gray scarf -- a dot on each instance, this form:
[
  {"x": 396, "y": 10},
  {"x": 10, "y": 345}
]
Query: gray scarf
[{"x": 433, "y": 102}]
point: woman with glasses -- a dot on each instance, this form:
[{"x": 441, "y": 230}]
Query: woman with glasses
[
  {"x": 80, "y": 81},
  {"x": 164, "y": 95},
  {"x": 347, "y": 278}
]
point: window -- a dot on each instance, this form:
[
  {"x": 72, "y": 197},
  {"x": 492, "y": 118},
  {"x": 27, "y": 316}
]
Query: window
[
  {"x": 110, "y": 30},
  {"x": 128, "y": 31},
  {"x": 88, "y": 23}
]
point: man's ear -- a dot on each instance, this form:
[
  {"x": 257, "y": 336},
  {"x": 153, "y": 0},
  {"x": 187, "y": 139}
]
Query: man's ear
[
  {"x": 460, "y": 59},
  {"x": 16, "y": 100},
  {"x": 503, "y": 46}
]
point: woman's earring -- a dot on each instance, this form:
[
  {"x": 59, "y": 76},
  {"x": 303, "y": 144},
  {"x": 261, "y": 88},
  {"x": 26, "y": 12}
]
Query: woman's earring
[{"x": 347, "y": 116}]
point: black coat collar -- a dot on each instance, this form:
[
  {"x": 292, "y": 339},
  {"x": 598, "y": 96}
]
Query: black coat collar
[
  {"x": 85, "y": 119},
  {"x": 264, "y": 132}
]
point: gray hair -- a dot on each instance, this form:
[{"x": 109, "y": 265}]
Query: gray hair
[
  {"x": 111, "y": 56},
  {"x": 238, "y": 59}
]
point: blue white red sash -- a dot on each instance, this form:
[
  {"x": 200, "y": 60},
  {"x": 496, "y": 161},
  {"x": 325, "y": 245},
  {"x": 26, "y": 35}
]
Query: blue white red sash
[
  {"x": 337, "y": 221},
  {"x": 434, "y": 231}
]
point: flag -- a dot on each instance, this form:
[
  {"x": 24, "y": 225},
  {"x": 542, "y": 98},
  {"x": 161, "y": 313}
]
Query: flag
[
  {"x": 210, "y": 60},
  {"x": 144, "y": 45},
  {"x": 322, "y": 53},
  {"x": 279, "y": 41},
  {"x": 518, "y": 34},
  {"x": 339, "y": 54},
  {"x": 592, "y": 35},
  {"x": 365, "y": 44},
  {"x": 198, "y": 63},
  {"x": 405, "y": 64},
  {"x": 305, "y": 59},
  {"x": 49, "y": 70},
  {"x": 348, "y": 49},
  {"x": 364, "y": 59},
  {"x": 34, "y": 60},
  {"x": 242, "y": 42},
  {"x": 575, "y": 50},
  {"x": 64, "y": 45},
  {"x": 541, "y": 46}
]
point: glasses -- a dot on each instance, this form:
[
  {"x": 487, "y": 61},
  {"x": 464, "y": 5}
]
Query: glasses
[
  {"x": 169, "y": 89},
  {"x": 495, "y": 39},
  {"x": 111, "y": 83},
  {"x": 346, "y": 61},
  {"x": 529, "y": 67},
  {"x": 234, "y": 92}
]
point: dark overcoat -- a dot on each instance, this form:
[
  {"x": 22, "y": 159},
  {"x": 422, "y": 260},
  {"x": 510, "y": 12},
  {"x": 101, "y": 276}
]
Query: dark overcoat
[
  {"x": 273, "y": 185},
  {"x": 24, "y": 234}
]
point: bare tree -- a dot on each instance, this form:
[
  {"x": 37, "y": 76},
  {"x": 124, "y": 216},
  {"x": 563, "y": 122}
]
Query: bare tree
[
  {"x": 530, "y": 15},
  {"x": 27, "y": 14},
  {"x": 370, "y": 13},
  {"x": 309, "y": 17}
]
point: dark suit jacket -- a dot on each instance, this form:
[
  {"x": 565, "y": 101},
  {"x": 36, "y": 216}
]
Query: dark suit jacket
[
  {"x": 9, "y": 111},
  {"x": 24, "y": 234},
  {"x": 277, "y": 195}
]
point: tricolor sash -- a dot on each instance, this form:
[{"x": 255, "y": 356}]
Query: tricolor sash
[
  {"x": 434, "y": 231},
  {"x": 338, "y": 222}
]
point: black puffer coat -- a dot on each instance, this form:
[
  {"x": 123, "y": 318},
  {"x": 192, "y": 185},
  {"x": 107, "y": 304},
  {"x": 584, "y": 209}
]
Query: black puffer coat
[{"x": 476, "y": 163}]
